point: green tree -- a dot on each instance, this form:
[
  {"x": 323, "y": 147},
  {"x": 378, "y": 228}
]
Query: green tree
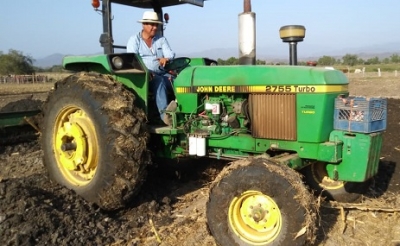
[
  {"x": 260, "y": 62},
  {"x": 232, "y": 61},
  {"x": 235, "y": 61},
  {"x": 350, "y": 60},
  {"x": 326, "y": 61},
  {"x": 395, "y": 58},
  {"x": 373, "y": 60},
  {"x": 57, "y": 69},
  {"x": 221, "y": 62},
  {"x": 15, "y": 62},
  {"x": 301, "y": 63}
]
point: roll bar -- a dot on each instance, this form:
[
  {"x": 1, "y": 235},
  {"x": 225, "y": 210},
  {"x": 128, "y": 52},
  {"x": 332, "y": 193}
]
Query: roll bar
[{"x": 106, "y": 38}]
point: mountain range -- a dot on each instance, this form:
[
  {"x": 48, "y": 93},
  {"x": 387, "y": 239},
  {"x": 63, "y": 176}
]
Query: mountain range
[{"x": 306, "y": 52}]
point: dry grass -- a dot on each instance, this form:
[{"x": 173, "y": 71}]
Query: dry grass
[
  {"x": 38, "y": 87},
  {"x": 371, "y": 85},
  {"x": 55, "y": 76},
  {"x": 25, "y": 88}
]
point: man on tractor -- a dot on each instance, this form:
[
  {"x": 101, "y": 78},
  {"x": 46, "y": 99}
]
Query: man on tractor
[{"x": 155, "y": 53}]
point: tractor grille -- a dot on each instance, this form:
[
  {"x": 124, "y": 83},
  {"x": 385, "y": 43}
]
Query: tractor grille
[{"x": 273, "y": 116}]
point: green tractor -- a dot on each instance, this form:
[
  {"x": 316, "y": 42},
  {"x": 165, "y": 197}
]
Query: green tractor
[{"x": 281, "y": 126}]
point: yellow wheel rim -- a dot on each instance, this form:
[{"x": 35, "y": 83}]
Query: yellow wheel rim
[
  {"x": 320, "y": 176},
  {"x": 75, "y": 145},
  {"x": 255, "y": 218}
]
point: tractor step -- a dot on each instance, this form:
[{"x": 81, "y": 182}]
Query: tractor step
[{"x": 162, "y": 129}]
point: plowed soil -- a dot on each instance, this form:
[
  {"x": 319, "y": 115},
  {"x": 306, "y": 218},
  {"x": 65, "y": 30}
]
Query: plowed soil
[{"x": 170, "y": 208}]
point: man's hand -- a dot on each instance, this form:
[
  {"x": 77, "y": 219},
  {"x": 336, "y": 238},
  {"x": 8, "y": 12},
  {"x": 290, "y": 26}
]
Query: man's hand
[{"x": 163, "y": 61}]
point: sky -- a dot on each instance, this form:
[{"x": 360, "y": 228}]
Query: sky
[{"x": 43, "y": 27}]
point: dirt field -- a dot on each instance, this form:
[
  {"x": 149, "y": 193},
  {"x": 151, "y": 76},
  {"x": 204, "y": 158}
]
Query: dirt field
[{"x": 169, "y": 210}]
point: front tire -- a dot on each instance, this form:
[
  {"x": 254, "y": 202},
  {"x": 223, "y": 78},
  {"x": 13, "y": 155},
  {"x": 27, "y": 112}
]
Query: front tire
[
  {"x": 318, "y": 180},
  {"x": 257, "y": 202},
  {"x": 94, "y": 139}
]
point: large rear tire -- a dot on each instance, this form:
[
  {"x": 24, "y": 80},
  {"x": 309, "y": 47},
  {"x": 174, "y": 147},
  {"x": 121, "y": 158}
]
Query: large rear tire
[
  {"x": 318, "y": 180},
  {"x": 94, "y": 139},
  {"x": 257, "y": 202}
]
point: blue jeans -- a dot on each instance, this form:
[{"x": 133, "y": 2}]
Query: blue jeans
[{"x": 159, "y": 86}]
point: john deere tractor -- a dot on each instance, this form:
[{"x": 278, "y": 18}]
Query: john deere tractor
[{"x": 282, "y": 127}]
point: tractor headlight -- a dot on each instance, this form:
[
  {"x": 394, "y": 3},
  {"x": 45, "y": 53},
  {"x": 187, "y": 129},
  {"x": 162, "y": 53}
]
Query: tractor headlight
[{"x": 117, "y": 62}]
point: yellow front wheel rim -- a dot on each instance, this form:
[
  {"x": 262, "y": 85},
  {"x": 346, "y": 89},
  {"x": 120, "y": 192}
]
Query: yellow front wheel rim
[
  {"x": 75, "y": 145},
  {"x": 320, "y": 175},
  {"x": 255, "y": 218}
]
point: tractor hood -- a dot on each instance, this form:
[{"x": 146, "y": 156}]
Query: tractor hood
[{"x": 259, "y": 79}]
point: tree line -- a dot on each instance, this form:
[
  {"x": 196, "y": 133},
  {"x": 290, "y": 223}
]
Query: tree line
[
  {"x": 346, "y": 60},
  {"x": 353, "y": 60},
  {"x": 15, "y": 62}
]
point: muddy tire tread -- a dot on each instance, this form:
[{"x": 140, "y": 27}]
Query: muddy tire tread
[
  {"x": 124, "y": 129},
  {"x": 302, "y": 200}
]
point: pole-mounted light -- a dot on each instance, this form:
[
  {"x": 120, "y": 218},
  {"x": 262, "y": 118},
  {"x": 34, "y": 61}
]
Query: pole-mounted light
[{"x": 96, "y": 4}]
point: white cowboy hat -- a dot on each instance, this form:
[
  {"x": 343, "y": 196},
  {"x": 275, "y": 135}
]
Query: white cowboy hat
[{"x": 150, "y": 17}]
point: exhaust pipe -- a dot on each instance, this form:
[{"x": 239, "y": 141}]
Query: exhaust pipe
[
  {"x": 292, "y": 34},
  {"x": 247, "y": 35}
]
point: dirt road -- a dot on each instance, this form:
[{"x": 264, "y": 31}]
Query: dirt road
[{"x": 169, "y": 210}]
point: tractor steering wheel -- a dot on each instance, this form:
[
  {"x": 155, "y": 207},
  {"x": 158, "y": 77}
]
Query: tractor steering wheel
[{"x": 176, "y": 65}]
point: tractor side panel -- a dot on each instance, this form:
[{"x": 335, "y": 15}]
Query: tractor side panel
[
  {"x": 286, "y": 103},
  {"x": 315, "y": 116}
]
